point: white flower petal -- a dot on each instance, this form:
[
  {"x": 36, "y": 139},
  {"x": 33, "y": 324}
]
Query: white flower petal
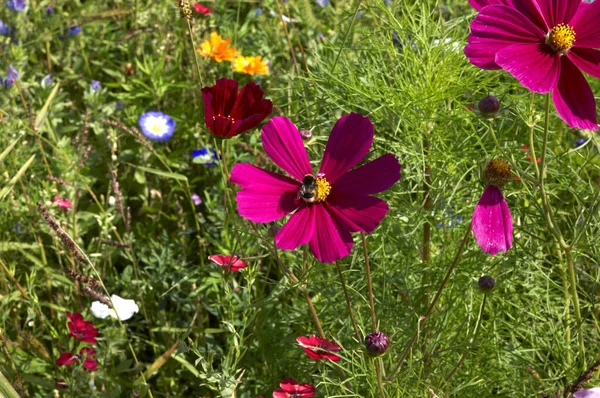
[{"x": 123, "y": 307}]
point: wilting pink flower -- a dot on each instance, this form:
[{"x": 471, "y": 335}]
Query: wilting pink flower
[
  {"x": 289, "y": 388},
  {"x": 233, "y": 263},
  {"x": 589, "y": 393},
  {"x": 327, "y": 206},
  {"x": 80, "y": 329},
  {"x": 318, "y": 348},
  {"x": 202, "y": 9},
  {"x": 544, "y": 44},
  {"x": 63, "y": 203},
  {"x": 492, "y": 222}
]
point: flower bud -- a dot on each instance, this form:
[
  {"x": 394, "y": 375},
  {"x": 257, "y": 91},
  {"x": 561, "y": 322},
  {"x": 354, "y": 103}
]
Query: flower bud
[
  {"x": 306, "y": 134},
  {"x": 377, "y": 343},
  {"x": 489, "y": 106},
  {"x": 486, "y": 283}
]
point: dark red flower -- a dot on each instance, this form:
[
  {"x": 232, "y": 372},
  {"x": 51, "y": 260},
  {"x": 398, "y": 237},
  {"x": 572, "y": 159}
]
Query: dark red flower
[
  {"x": 230, "y": 262},
  {"x": 86, "y": 352},
  {"x": 318, "y": 348},
  {"x": 90, "y": 364},
  {"x": 228, "y": 113},
  {"x": 66, "y": 359},
  {"x": 291, "y": 389},
  {"x": 80, "y": 329},
  {"x": 202, "y": 9}
]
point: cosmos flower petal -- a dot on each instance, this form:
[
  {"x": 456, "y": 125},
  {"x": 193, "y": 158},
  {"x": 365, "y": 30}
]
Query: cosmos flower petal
[
  {"x": 558, "y": 11},
  {"x": 587, "y": 60},
  {"x": 330, "y": 241},
  {"x": 573, "y": 98},
  {"x": 283, "y": 143},
  {"x": 479, "y": 4},
  {"x": 223, "y": 95},
  {"x": 586, "y": 26},
  {"x": 532, "y": 64},
  {"x": 349, "y": 142},
  {"x": 375, "y": 176},
  {"x": 357, "y": 213},
  {"x": 492, "y": 222},
  {"x": 299, "y": 229},
  {"x": 588, "y": 393}
]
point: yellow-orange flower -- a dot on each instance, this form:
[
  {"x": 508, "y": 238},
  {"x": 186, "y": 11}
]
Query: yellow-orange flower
[
  {"x": 251, "y": 65},
  {"x": 217, "y": 48}
]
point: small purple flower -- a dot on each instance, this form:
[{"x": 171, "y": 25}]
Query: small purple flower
[
  {"x": 49, "y": 10},
  {"x": 486, "y": 283},
  {"x": 157, "y": 126},
  {"x": 580, "y": 142},
  {"x": 489, "y": 106},
  {"x": 96, "y": 85},
  {"x": 377, "y": 343},
  {"x": 589, "y": 393},
  {"x": 322, "y": 3},
  {"x": 17, "y": 5},
  {"x": 11, "y": 76},
  {"x": 205, "y": 156},
  {"x": 258, "y": 11},
  {"x": 387, "y": 2},
  {"x": 120, "y": 105},
  {"x": 5, "y": 30},
  {"x": 196, "y": 198},
  {"x": 74, "y": 30},
  {"x": 47, "y": 79},
  {"x": 359, "y": 14}
]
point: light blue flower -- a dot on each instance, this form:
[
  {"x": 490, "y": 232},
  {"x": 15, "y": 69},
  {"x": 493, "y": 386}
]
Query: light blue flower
[
  {"x": 258, "y": 11},
  {"x": 205, "y": 156},
  {"x": 49, "y": 10},
  {"x": 11, "y": 76},
  {"x": 17, "y": 5},
  {"x": 157, "y": 126},
  {"x": 387, "y": 2},
  {"x": 47, "y": 79},
  {"x": 322, "y": 3},
  {"x": 74, "y": 30},
  {"x": 5, "y": 30},
  {"x": 96, "y": 85}
]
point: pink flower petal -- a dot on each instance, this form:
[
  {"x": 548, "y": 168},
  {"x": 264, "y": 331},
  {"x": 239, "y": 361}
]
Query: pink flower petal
[
  {"x": 90, "y": 364},
  {"x": 492, "y": 223},
  {"x": 587, "y": 60},
  {"x": 479, "y": 4},
  {"x": 586, "y": 25},
  {"x": 373, "y": 177},
  {"x": 589, "y": 393},
  {"x": 283, "y": 144},
  {"x": 534, "y": 65},
  {"x": 289, "y": 385},
  {"x": 349, "y": 142},
  {"x": 299, "y": 229},
  {"x": 558, "y": 11},
  {"x": 266, "y": 196},
  {"x": 573, "y": 98},
  {"x": 357, "y": 213},
  {"x": 495, "y": 28},
  {"x": 330, "y": 241},
  {"x": 66, "y": 359}
]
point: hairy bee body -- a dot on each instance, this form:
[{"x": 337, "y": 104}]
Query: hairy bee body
[{"x": 309, "y": 191}]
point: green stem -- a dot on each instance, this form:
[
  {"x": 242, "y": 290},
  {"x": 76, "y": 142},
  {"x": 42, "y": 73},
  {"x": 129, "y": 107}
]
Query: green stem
[
  {"x": 6, "y": 389},
  {"x": 347, "y": 297},
  {"x": 575, "y": 298},
  {"x": 369, "y": 282},
  {"x": 189, "y": 25},
  {"x": 379, "y": 373}
]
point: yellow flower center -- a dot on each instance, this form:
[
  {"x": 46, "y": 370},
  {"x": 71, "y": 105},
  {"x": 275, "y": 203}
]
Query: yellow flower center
[
  {"x": 561, "y": 37},
  {"x": 497, "y": 172},
  {"x": 156, "y": 128},
  {"x": 323, "y": 189},
  {"x": 226, "y": 117}
]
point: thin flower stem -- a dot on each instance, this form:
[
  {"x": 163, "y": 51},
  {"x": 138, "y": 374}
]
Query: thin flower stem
[
  {"x": 575, "y": 298},
  {"x": 513, "y": 165},
  {"x": 433, "y": 303},
  {"x": 193, "y": 40},
  {"x": 369, "y": 282},
  {"x": 287, "y": 35},
  {"x": 531, "y": 146},
  {"x": 347, "y": 297},
  {"x": 567, "y": 298},
  {"x": 475, "y": 332},
  {"x": 337, "y": 57},
  {"x": 378, "y": 372}
]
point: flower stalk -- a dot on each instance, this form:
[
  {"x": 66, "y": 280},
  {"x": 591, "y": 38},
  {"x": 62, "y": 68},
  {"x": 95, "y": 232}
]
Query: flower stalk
[{"x": 348, "y": 303}]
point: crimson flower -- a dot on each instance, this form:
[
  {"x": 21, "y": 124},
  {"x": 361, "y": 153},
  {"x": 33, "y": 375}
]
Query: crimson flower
[
  {"x": 80, "y": 329},
  {"x": 544, "y": 44},
  {"x": 202, "y": 9},
  {"x": 289, "y": 388},
  {"x": 63, "y": 203},
  {"x": 318, "y": 348},
  {"x": 228, "y": 113},
  {"x": 89, "y": 363},
  {"x": 327, "y": 206},
  {"x": 230, "y": 262}
]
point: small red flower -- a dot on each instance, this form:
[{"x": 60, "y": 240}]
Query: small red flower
[
  {"x": 63, "y": 203},
  {"x": 291, "y": 389},
  {"x": 86, "y": 352},
  {"x": 66, "y": 359},
  {"x": 227, "y": 113},
  {"x": 230, "y": 262},
  {"x": 202, "y": 9},
  {"x": 318, "y": 348},
  {"x": 90, "y": 364},
  {"x": 80, "y": 329}
]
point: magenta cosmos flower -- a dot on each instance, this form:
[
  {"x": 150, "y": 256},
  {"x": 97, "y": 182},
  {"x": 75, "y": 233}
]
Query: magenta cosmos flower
[
  {"x": 544, "y": 44},
  {"x": 290, "y": 388},
  {"x": 326, "y": 206},
  {"x": 318, "y": 348},
  {"x": 492, "y": 222}
]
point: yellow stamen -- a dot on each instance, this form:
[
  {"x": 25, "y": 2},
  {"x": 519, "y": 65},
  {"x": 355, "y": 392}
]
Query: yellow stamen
[
  {"x": 323, "y": 189},
  {"x": 561, "y": 37},
  {"x": 497, "y": 172}
]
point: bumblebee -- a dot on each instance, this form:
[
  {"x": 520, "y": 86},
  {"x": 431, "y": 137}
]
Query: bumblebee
[{"x": 309, "y": 191}]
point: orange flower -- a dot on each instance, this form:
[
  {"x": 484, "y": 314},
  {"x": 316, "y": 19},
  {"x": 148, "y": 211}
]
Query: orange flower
[
  {"x": 251, "y": 65},
  {"x": 217, "y": 48}
]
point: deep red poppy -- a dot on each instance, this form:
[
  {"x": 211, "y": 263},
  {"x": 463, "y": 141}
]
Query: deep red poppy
[
  {"x": 230, "y": 262},
  {"x": 228, "y": 113},
  {"x": 291, "y": 389},
  {"x": 318, "y": 348},
  {"x": 202, "y": 9},
  {"x": 80, "y": 329}
]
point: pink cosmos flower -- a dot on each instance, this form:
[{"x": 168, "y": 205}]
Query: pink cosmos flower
[
  {"x": 63, "y": 203},
  {"x": 326, "y": 206},
  {"x": 202, "y": 9},
  {"x": 492, "y": 222},
  {"x": 291, "y": 389},
  {"x": 233, "y": 263},
  {"x": 318, "y": 348},
  {"x": 544, "y": 44}
]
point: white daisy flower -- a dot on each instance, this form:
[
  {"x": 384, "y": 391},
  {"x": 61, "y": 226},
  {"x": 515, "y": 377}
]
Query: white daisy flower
[
  {"x": 124, "y": 308},
  {"x": 157, "y": 125}
]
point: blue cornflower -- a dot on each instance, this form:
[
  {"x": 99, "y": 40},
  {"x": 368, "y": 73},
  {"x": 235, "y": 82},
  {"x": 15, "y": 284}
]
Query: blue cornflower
[
  {"x": 96, "y": 85},
  {"x": 205, "y": 156},
  {"x": 258, "y": 11},
  {"x": 17, "y": 5},
  {"x": 11, "y": 76},
  {"x": 157, "y": 126},
  {"x": 322, "y": 3},
  {"x": 74, "y": 30}
]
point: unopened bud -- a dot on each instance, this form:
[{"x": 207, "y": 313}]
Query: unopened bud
[
  {"x": 306, "y": 134},
  {"x": 377, "y": 343},
  {"x": 489, "y": 106},
  {"x": 486, "y": 283}
]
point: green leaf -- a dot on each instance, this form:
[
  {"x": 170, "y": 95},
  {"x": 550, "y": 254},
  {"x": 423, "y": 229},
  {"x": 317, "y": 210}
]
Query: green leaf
[
  {"x": 6, "y": 246},
  {"x": 10, "y": 147},
  {"x": 43, "y": 113},
  {"x": 174, "y": 176},
  {"x": 6, "y": 190}
]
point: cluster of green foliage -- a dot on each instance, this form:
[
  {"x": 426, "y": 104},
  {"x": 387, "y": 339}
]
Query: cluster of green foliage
[{"x": 203, "y": 331}]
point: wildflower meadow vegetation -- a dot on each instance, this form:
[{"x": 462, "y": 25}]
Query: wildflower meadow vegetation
[{"x": 298, "y": 198}]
